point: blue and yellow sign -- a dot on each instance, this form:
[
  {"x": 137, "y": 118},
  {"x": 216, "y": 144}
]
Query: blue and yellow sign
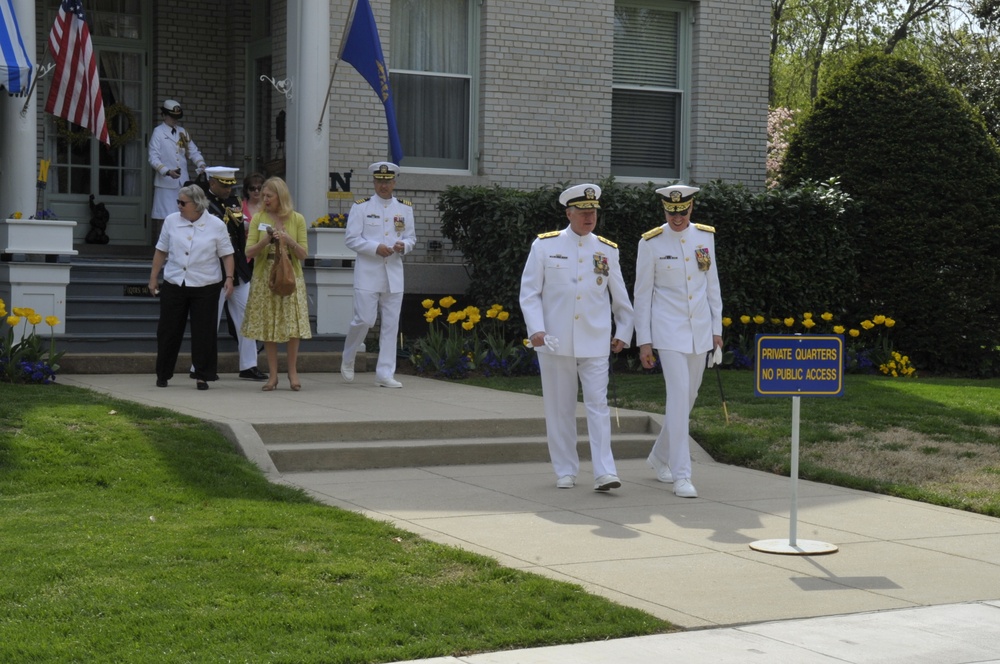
[{"x": 799, "y": 365}]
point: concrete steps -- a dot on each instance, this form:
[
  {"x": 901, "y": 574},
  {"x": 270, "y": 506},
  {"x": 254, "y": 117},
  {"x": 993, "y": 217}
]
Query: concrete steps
[{"x": 353, "y": 445}]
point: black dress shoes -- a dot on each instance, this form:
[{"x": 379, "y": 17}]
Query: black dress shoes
[
  {"x": 253, "y": 373},
  {"x": 161, "y": 383},
  {"x": 202, "y": 385}
]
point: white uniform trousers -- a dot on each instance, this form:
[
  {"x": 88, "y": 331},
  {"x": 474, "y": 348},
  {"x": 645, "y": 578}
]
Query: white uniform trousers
[
  {"x": 559, "y": 390},
  {"x": 682, "y": 373},
  {"x": 238, "y": 307},
  {"x": 368, "y": 304}
]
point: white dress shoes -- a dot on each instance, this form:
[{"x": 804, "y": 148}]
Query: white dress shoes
[
  {"x": 566, "y": 482},
  {"x": 606, "y": 482},
  {"x": 685, "y": 489},
  {"x": 662, "y": 470},
  {"x": 388, "y": 382},
  {"x": 347, "y": 371}
]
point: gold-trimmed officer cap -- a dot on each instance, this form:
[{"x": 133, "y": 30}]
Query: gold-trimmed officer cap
[
  {"x": 224, "y": 174},
  {"x": 677, "y": 197},
  {"x": 584, "y": 196},
  {"x": 383, "y": 170},
  {"x": 172, "y": 108}
]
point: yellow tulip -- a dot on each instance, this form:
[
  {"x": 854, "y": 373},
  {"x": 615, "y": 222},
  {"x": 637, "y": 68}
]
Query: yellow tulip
[
  {"x": 854, "y": 332},
  {"x": 497, "y": 307},
  {"x": 492, "y": 313},
  {"x": 807, "y": 316},
  {"x": 775, "y": 321},
  {"x": 13, "y": 320},
  {"x": 726, "y": 321},
  {"x": 745, "y": 319},
  {"x": 789, "y": 322},
  {"x": 838, "y": 329},
  {"x": 809, "y": 323},
  {"x": 455, "y": 316},
  {"x": 428, "y": 303},
  {"x": 758, "y": 319},
  {"x": 35, "y": 319},
  {"x": 878, "y": 320},
  {"x": 52, "y": 321},
  {"x": 447, "y": 301},
  {"x": 889, "y": 322},
  {"x": 867, "y": 324},
  {"x": 468, "y": 325},
  {"x": 827, "y": 316},
  {"x": 503, "y": 315}
]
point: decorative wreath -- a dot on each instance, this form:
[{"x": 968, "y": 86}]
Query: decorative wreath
[
  {"x": 131, "y": 127},
  {"x": 65, "y": 131},
  {"x": 81, "y": 137}
]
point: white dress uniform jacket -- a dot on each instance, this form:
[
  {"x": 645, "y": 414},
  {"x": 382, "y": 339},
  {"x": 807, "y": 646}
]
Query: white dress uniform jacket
[
  {"x": 169, "y": 149},
  {"x": 678, "y": 303},
  {"x": 369, "y": 224},
  {"x": 564, "y": 291}
]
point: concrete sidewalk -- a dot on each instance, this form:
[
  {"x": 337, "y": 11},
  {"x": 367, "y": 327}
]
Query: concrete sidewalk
[{"x": 910, "y": 582}]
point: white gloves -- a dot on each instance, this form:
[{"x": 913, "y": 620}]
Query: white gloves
[
  {"x": 551, "y": 343},
  {"x": 714, "y": 357}
]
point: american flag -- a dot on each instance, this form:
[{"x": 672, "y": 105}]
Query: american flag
[{"x": 75, "y": 94}]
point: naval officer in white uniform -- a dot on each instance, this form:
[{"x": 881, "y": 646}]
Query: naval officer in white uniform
[
  {"x": 380, "y": 229},
  {"x": 571, "y": 285},
  {"x": 170, "y": 148},
  {"x": 678, "y": 311}
]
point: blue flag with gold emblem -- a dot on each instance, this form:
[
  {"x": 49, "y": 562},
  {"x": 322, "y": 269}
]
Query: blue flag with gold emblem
[{"x": 363, "y": 50}]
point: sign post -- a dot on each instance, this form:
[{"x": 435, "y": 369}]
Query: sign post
[{"x": 798, "y": 366}]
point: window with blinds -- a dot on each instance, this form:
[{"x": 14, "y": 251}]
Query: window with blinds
[{"x": 647, "y": 91}]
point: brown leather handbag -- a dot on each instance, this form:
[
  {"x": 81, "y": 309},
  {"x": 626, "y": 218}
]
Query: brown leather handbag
[{"x": 282, "y": 278}]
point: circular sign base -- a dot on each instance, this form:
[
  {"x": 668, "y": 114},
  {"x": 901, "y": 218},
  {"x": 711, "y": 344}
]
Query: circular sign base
[{"x": 801, "y": 548}]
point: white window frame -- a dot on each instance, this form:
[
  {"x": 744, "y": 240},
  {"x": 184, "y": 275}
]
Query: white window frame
[
  {"x": 685, "y": 11},
  {"x": 412, "y": 163}
]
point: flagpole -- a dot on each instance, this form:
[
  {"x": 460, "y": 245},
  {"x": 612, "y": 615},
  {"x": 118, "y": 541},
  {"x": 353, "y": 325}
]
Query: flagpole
[
  {"x": 34, "y": 80},
  {"x": 343, "y": 38}
]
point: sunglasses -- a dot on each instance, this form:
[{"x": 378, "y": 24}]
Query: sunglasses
[
  {"x": 182, "y": 203},
  {"x": 253, "y": 188}
]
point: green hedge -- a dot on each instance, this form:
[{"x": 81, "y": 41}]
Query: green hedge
[
  {"x": 780, "y": 253},
  {"x": 918, "y": 159}
]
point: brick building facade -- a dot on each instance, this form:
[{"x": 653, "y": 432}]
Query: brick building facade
[{"x": 545, "y": 102}]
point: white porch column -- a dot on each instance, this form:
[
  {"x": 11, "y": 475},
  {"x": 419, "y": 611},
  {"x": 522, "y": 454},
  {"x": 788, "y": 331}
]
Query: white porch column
[
  {"x": 18, "y": 152},
  {"x": 308, "y": 149}
]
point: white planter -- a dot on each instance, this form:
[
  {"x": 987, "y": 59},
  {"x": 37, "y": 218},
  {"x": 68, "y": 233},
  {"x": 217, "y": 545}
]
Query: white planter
[
  {"x": 37, "y": 236},
  {"x": 331, "y": 298},
  {"x": 38, "y": 286},
  {"x": 325, "y": 243}
]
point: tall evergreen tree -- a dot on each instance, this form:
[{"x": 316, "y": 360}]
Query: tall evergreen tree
[{"x": 917, "y": 157}]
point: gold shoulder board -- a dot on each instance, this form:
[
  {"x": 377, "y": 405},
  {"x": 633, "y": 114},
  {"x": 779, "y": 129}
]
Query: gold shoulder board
[
  {"x": 542, "y": 236},
  {"x": 405, "y": 202},
  {"x": 652, "y": 232},
  {"x": 607, "y": 241},
  {"x": 362, "y": 200},
  {"x": 703, "y": 227}
]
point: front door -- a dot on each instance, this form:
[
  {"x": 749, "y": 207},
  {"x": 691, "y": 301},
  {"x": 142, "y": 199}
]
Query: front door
[{"x": 116, "y": 175}]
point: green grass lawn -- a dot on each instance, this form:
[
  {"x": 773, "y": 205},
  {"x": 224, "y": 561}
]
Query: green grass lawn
[
  {"x": 935, "y": 440},
  {"x": 132, "y": 534}
]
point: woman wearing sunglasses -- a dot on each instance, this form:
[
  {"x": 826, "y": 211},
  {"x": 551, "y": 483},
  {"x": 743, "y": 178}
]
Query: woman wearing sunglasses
[
  {"x": 252, "y": 199},
  {"x": 190, "y": 245}
]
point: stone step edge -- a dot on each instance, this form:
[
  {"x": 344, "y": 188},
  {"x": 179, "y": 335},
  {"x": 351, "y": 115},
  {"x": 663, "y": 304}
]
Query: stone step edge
[
  {"x": 282, "y": 434},
  {"x": 368, "y": 456}
]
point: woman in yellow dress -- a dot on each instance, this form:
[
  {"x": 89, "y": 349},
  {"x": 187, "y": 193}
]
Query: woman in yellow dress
[{"x": 272, "y": 318}]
